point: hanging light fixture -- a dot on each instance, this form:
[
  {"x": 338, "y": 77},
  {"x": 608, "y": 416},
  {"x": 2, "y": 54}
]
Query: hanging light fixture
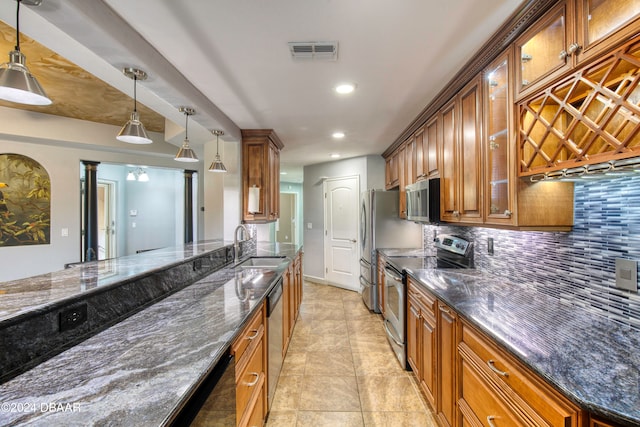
[
  {"x": 217, "y": 165},
  {"x": 17, "y": 84},
  {"x": 185, "y": 153},
  {"x": 133, "y": 131}
]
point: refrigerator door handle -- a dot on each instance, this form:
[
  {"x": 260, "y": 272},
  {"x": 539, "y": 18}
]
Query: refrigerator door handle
[{"x": 364, "y": 263}]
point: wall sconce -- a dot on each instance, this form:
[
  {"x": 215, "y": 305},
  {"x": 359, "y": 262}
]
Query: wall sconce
[
  {"x": 138, "y": 175},
  {"x": 185, "y": 153},
  {"x": 17, "y": 84}
]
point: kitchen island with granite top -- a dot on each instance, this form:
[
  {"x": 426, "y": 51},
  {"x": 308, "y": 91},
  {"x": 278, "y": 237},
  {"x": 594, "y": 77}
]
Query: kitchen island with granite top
[
  {"x": 591, "y": 360},
  {"x": 141, "y": 370}
]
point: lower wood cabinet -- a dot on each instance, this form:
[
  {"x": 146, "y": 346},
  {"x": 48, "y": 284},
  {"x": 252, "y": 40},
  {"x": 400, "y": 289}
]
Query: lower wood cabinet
[
  {"x": 446, "y": 381},
  {"x": 250, "y": 351},
  {"x": 292, "y": 298},
  {"x": 496, "y": 387}
]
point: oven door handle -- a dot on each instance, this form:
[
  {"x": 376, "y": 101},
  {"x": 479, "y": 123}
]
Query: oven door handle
[
  {"x": 364, "y": 263},
  {"x": 392, "y": 274},
  {"x": 390, "y": 334}
]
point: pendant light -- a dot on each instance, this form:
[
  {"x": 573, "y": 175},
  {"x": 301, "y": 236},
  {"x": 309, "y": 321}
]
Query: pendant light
[
  {"x": 185, "y": 153},
  {"x": 217, "y": 165},
  {"x": 17, "y": 84},
  {"x": 133, "y": 131}
]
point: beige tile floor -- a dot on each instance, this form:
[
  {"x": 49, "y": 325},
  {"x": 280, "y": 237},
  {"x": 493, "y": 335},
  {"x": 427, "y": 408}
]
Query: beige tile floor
[{"x": 340, "y": 371}]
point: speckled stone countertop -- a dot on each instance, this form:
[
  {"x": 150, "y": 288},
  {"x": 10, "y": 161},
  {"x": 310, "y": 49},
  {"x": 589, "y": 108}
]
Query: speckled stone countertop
[
  {"x": 139, "y": 371},
  {"x": 593, "y": 361}
]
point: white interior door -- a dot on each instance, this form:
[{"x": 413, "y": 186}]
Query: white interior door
[{"x": 342, "y": 202}]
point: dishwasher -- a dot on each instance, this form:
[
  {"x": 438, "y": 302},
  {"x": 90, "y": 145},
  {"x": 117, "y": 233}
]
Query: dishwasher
[{"x": 274, "y": 334}]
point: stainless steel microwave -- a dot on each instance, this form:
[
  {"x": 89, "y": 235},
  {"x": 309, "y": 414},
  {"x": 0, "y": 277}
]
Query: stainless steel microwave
[{"x": 423, "y": 201}]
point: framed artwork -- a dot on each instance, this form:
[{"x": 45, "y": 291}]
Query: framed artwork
[{"x": 25, "y": 201}]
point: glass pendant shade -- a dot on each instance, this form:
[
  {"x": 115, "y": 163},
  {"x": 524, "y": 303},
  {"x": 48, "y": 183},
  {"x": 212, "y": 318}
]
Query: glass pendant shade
[
  {"x": 143, "y": 177},
  {"x": 186, "y": 153},
  {"x": 17, "y": 84},
  {"x": 217, "y": 165},
  {"x": 133, "y": 131},
  {"x": 131, "y": 176}
]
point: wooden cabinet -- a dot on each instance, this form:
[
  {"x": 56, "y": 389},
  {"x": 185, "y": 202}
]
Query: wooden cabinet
[
  {"x": 495, "y": 386},
  {"x": 595, "y": 422},
  {"x": 392, "y": 170},
  {"x": 260, "y": 175},
  {"x": 432, "y": 340},
  {"x": 431, "y": 146},
  {"x": 422, "y": 345},
  {"x": 292, "y": 285},
  {"x": 250, "y": 351},
  {"x": 588, "y": 118},
  {"x": 509, "y": 201},
  {"x": 446, "y": 375},
  {"x": 461, "y": 170},
  {"x": 573, "y": 32}
]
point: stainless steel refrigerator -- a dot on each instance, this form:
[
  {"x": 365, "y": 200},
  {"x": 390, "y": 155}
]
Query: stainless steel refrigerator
[{"x": 381, "y": 227}]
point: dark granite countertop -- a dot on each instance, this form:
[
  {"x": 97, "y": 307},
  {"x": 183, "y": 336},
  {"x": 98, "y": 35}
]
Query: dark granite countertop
[
  {"x": 141, "y": 370},
  {"x": 38, "y": 292},
  {"x": 592, "y": 360}
]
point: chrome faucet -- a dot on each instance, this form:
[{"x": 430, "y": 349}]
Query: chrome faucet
[{"x": 236, "y": 242}]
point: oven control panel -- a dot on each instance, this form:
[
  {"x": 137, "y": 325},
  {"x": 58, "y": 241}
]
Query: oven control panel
[{"x": 451, "y": 243}]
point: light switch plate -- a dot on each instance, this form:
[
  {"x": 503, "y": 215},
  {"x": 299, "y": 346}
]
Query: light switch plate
[{"x": 627, "y": 274}]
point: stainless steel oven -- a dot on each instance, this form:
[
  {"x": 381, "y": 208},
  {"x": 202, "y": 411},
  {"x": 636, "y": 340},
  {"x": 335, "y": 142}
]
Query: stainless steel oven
[
  {"x": 394, "y": 322},
  {"x": 451, "y": 252}
]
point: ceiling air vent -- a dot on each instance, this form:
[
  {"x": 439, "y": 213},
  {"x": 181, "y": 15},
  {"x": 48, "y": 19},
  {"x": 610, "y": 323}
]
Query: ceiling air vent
[{"x": 320, "y": 51}]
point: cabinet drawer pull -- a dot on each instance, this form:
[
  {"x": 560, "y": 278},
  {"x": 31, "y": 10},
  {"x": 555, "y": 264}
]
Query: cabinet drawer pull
[
  {"x": 491, "y": 363},
  {"x": 444, "y": 310},
  {"x": 254, "y": 382},
  {"x": 574, "y": 48},
  {"x": 256, "y": 332},
  {"x": 490, "y": 419}
]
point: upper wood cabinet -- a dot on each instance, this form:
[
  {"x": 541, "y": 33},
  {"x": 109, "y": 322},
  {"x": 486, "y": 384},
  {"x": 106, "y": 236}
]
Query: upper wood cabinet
[
  {"x": 392, "y": 174},
  {"x": 260, "y": 175},
  {"x": 589, "y": 117},
  {"x": 571, "y": 33},
  {"x": 461, "y": 171}
]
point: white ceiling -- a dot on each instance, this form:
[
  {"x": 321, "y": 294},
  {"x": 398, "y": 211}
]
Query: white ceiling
[{"x": 231, "y": 60}]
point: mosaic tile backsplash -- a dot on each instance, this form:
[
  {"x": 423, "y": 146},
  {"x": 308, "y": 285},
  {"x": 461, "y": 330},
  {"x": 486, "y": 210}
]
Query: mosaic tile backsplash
[{"x": 577, "y": 267}]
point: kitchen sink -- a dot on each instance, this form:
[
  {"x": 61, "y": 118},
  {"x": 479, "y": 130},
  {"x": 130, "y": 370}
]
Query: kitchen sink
[{"x": 272, "y": 262}]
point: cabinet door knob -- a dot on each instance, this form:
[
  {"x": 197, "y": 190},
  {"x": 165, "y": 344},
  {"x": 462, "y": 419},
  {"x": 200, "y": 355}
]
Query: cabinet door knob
[
  {"x": 456, "y": 213},
  {"x": 574, "y": 48},
  {"x": 563, "y": 55},
  {"x": 508, "y": 213},
  {"x": 490, "y": 419}
]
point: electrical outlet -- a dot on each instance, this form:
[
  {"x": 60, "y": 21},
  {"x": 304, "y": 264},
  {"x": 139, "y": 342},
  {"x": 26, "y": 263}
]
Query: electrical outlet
[
  {"x": 73, "y": 317},
  {"x": 490, "y": 245},
  {"x": 627, "y": 274}
]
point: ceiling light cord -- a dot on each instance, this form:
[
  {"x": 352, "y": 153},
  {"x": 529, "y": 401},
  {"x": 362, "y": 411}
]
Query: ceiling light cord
[
  {"x": 135, "y": 93},
  {"x": 18, "y": 26}
]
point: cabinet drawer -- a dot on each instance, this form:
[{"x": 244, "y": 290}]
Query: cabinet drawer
[
  {"x": 426, "y": 300},
  {"x": 253, "y": 331},
  {"x": 257, "y": 414},
  {"x": 250, "y": 380},
  {"x": 487, "y": 407},
  {"x": 505, "y": 371}
]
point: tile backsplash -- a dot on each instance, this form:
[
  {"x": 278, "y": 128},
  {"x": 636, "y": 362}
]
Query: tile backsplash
[{"x": 577, "y": 267}]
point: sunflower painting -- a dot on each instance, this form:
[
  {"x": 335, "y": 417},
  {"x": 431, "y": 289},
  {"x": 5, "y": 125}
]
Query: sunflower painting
[{"x": 25, "y": 202}]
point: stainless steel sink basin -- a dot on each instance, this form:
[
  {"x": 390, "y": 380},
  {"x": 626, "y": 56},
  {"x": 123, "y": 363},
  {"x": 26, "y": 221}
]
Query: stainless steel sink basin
[{"x": 264, "y": 262}]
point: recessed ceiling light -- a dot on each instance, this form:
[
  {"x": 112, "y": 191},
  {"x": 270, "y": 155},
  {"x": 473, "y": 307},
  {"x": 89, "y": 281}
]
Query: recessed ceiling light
[
  {"x": 283, "y": 173},
  {"x": 344, "y": 88},
  {"x": 338, "y": 135},
  {"x": 335, "y": 155}
]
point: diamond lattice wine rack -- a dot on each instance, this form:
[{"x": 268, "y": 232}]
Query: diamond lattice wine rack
[{"x": 591, "y": 116}]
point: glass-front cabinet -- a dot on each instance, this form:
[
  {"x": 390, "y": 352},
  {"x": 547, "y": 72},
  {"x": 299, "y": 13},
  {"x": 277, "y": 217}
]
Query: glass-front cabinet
[
  {"x": 498, "y": 107},
  {"x": 542, "y": 50},
  {"x": 570, "y": 34},
  {"x": 603, "y": 23}
]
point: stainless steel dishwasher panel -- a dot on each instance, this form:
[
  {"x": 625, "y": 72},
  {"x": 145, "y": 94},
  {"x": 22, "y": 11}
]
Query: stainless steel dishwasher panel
[{"x": 274, "y": 337}]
